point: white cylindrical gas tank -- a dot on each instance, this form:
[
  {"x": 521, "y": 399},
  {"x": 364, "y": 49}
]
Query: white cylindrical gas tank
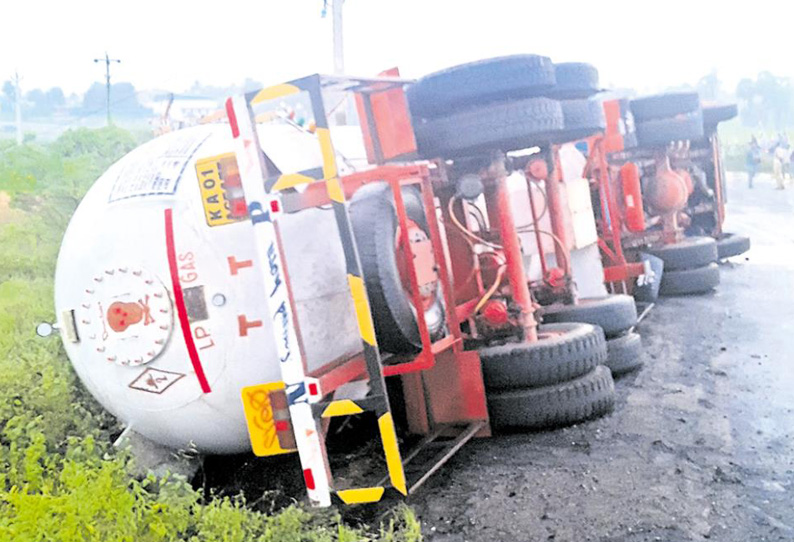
[{"x": 161, "y": 298}]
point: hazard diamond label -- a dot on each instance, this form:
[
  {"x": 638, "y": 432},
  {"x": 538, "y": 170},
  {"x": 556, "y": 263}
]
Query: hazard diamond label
[{"x": 155, "y": 381}]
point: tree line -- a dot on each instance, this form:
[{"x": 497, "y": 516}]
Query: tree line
[{"x": 47, "y": 103}]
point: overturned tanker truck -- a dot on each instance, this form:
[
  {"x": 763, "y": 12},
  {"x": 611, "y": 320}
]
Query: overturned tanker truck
[{"x": 235, "y": 286}]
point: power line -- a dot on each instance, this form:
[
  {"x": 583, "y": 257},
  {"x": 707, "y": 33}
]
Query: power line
[{"x": 107, "y": 60}]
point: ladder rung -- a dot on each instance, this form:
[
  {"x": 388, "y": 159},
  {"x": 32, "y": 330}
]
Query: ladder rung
[{"x": 447, "y": 453}]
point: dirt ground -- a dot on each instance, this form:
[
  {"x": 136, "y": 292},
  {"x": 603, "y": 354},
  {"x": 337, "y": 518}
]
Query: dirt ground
[{"x": 699, "y": 446}]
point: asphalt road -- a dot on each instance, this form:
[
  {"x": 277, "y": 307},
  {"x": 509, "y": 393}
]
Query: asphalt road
[{"x": 699, "y": 446}]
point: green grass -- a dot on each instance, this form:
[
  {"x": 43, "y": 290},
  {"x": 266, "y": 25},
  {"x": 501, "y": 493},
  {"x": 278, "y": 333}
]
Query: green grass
[{"x": 60, "y": 479}]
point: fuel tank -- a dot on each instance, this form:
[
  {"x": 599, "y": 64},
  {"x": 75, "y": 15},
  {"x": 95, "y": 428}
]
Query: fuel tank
[{"x": 160, "y": 298}]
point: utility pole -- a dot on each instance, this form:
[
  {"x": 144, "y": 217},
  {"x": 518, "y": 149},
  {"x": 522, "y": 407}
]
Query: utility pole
[
  {"x": 339, "y": 53},
  {"x": 18, "y": 107},
  {"x": 107, "y": 60}
]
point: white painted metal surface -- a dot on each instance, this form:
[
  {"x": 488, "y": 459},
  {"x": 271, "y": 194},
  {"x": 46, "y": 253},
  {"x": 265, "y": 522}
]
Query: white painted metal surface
[
  {"x": 586, "y": 265},
  {"x": 121, "y": 225}
]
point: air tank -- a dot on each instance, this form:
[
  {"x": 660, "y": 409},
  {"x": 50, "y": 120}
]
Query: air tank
[{"x": 159, "y": 295}]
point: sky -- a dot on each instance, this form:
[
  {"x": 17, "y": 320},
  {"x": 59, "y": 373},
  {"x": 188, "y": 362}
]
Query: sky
[{"x": 168, "y": 44}]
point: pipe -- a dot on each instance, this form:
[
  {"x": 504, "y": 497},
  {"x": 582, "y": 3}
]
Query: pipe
[
  {"x": 511, "y": 245},
  {"x": 536, "y": 227},
  {"x": 556, "y": 211}
]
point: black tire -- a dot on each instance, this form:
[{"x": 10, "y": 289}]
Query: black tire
[
  {"x": 732, "y": 245},
  {"x": 690, "y": 253},
  {"x": 613, "y": 313},
  {"x": 661, "y": 106},
  {"x": 624, "y": 353},
  {"x": 578, "y": 349},
  {"x": 479, "y": 83},
  {"x": 659, "y": 132},
  {"x": 575, "y": 80},
  {"x": 502, "y": 126},
  {"x": 582, "y": 118},
  {"x": 583, "y": 398},
  {"x": 374, "y": 221},
  {"x": 714, "y": 114},
  {"x": 690, "y": 281}
]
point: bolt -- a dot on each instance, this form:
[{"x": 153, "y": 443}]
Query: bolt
[
  {"x": 159, "y": 341},
  {"x": 122, "y": 269},
  {"x": 97, "y": 279},
  {"x": 100, "y": 349},
  {"x": 158, "y": 295},
  {"x": 111, "y": 358},
  {"x": 164, "y": 327},
  {"x": 109, "y": 271},
  {"x": 137, "y": 272}
]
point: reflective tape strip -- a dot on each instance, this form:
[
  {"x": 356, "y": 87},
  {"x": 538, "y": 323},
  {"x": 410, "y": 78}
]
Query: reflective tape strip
[
  {"x": 253, "y": 173},
  {"x": 290, "y": 180},
  {"x": 362, "y": 495},
  {"x": 392, "y": 452},
  {"x": 344, "y": 407},
  {"x": 327, "y": 151},
  {"x": 334, "y": 189},
  {"x": 276, "y": 91},
  {"x": 364, "y": 317}
]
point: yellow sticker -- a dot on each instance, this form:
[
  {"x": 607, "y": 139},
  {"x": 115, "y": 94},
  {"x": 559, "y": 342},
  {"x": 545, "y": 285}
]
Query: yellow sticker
[
  {"x": 261, "y": 421},
  {"x": 221, "y": 190}
]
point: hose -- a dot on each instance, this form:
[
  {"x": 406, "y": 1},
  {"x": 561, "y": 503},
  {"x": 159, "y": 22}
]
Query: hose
[
  {"x": 463, "y": 229},
  {"x": 557, "y": 241},
  {"x": 545, "y": 199},
  {"x": 490, "y": 292}
]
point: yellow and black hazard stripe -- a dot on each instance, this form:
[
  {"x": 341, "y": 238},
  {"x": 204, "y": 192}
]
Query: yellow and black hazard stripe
[
  {"x": 311, "y": 85},
  {"x": 378, "y": 400}
]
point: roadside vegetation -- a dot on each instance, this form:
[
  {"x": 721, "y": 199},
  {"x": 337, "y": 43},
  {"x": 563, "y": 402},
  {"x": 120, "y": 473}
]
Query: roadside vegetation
[{"x": 60, "y": 477}]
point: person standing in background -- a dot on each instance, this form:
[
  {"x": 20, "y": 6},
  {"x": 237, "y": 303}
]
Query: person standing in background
[
  {"x": 753, "y": 160},
  {"x": 781, "y": 158}
]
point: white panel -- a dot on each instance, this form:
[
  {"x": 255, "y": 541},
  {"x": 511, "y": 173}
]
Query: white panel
[{"x": 581, "y": 209}]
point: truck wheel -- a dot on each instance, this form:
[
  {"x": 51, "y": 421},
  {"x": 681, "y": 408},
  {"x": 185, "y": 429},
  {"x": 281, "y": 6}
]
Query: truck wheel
[
  {"x": 583, "y": 398},
  {"x": 564, "y": 351},
  {"x": 504, "y": 126},
  {"x": 479, "y": 83},
  {"x": 658, "y": 132},
  {"x": 376, "y": 230},
  {"x": 690, "y": 253},
  {"x": 732, "y": 245},
  {"x": 714, "y": 114},
  {"x": 613, "y": 313},
  {"x": 582, "y": 118},
  {"x": 662, "y": 106},
  {"x": 575, "y": 80},
  {"x": 690, "y": 281},
  {"x": 624, "y": 353}
]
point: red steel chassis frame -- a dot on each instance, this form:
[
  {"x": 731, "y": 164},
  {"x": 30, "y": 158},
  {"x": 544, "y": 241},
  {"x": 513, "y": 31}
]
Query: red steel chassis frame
[
  {"x": 444, "y": 382},
  {"x": 452, "y": 391},
  {"x": 616, "y": 269}
]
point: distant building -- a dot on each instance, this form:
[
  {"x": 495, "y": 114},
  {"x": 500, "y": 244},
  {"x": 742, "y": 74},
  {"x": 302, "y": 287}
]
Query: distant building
[{"x": 176, "y": 111}]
